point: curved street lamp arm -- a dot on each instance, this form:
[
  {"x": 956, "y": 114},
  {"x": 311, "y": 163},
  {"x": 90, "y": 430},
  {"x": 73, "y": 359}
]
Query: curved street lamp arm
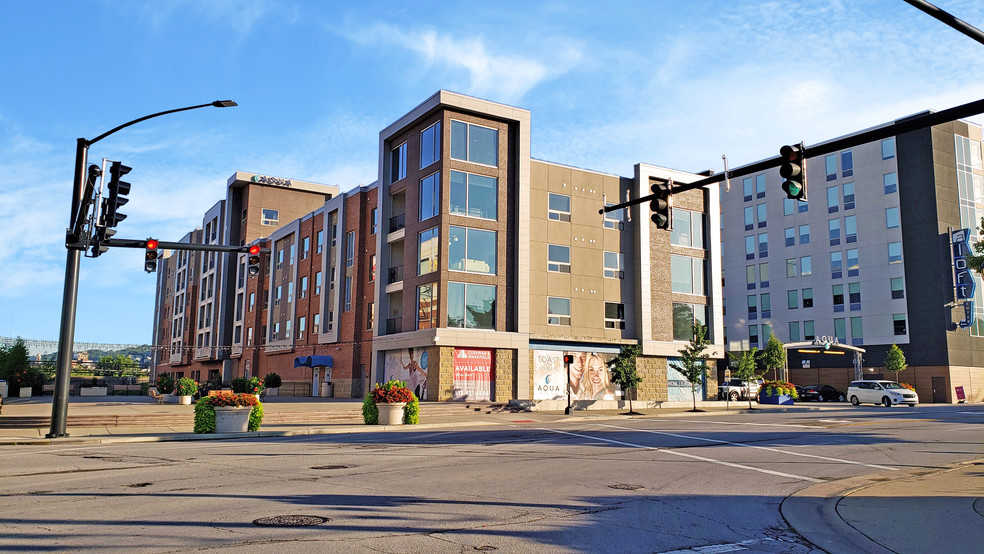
[{"x": 217, "y": 104}]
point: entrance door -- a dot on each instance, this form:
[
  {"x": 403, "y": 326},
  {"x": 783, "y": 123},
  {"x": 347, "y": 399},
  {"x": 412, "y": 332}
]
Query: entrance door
[
  {"x": 939, "y": 390},
  {"x": 315, "y": 380}
]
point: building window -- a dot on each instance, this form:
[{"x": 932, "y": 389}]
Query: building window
[
  {"x": 832, "y": 200},
  {"x": 373, "y": 224},
  {"x": 790, "y": 236},
  {"x": 473, "y": 195},
  {"x": 838, "y": 295},
  {"x": 764, "y": 275},
  {"x": 331, "y": 278},
  {"x": 857, "y": 331},
  {"x": 836, "y": 265},
  {"x": 788, "y": 206},
  {"x": 398, "y": 163},
  {"x": 765, "y": 305},
  {"x": 750, "y": 277},
  {"x": 370, "y": 316},
  {"x": 305, "y": 247},
  {"x": 290, "y": 291},
  {"x": 301, "y": 326},
  {"x": 752, "y": 306},
  {"x": 348, "y": 293},
  {"x": 753, "y": 335},
  {"x": 854, "y": 296},
  {"x": 613, "y": 220},
  {"x": 252, "y": 301},
  {"x": 427, "y": 259},
  {"x": 249, "y": 336},
  {"x": 472, "y": 250},
  {"x": 840, "y": 329},
  {"x": 794, "y": 331},
  {"x": 559, "y": 207},
  {"x": 317, "y": 283},
  {"x": 350, "y": 249},
  {"x": 750, "y": 247},
  {"x": 558, "y": 311},
  {"x": 302, "y": 293},
  {"x": 430, "y": 196},
  {"x": 760, "y": 186},
  {"x": 849, "y": 203},
  {"x": 806, "y": 265},
  {"x": 792, "y": 299},
  {"x": 847, "y": 164},
  {"x": 687, "y": 274},
  {"x": 372, "y": 267},
  {"x": 891, "y": 218},
  {"x": 834, "y": 227},
  {"x": 430, "y": 145},
  {"x": 791, "y": 267},
  {"x": 684, "y": 317},
  {"x": 749, "y": 218},
  {"x": 894, "y": 252},
  {"x": 762, "y": 213},
  {"x": 320, "y": 241},
  {"x": 804, "y": 234},
  {"x": 853, "y": 264},
  {"x": 688, "y": 229},
  {"x": 888, "y": 148},
  {"x": 763, "y": 241},
  {"x": 269, "y": 217},
  {"x": 808, "y": 298},
  {"x": 891, "y": 182},
  {"x": 279, "y": 295},
  {"x": 898, "y": 289},
  {"x": 316, "y": 324},
  {"x": 830, "y": 164},
  {"x": 851, "y": 229},
  {"x": 474, "y": 143},
  {"x": 427, "y": 306},
  {"x": 614, "y": 315},
  {"x": 614, "y": 265},
  {"x": 558, "y": 258},
  {"x": 808, "y": 333},
  {"x": 746, "y": 186},
  {"x": 471, "y": 306}
]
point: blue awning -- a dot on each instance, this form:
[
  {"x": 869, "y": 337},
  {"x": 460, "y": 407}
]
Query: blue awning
[{"x": 313, "y": 361}]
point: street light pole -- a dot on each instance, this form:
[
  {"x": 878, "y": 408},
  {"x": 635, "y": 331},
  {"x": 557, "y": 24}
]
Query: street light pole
[{"x": 75, "y": 246}]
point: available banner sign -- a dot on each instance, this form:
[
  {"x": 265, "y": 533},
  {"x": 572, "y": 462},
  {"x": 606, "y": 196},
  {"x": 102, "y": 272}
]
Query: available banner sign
[
  {"x": 472, "y": 374},
  {"x": 963, "y": 278}
]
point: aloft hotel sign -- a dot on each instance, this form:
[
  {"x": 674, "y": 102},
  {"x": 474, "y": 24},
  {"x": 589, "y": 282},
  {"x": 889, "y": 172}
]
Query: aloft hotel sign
[{"x": 963, "y": 278}]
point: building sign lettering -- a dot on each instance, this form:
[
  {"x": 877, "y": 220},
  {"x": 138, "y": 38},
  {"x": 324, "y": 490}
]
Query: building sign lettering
[
  {"x": 276, "y": 181},
  {"x": 964, "y": 284}
]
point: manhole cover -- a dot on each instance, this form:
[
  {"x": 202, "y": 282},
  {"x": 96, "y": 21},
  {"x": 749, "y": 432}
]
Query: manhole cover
[
  {"x": 624, "y": 487},
  {"x": 330, "y": 467},
  {"x": 290, "y": 521}
]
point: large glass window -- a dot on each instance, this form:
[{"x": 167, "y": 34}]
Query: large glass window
[
  {"x": 684, "y": 317},
  {"x": 688, "y": 228},
  {"x": 891, "y": 218},
  {"x": 558, "y": 258},
  {"x": 559, "y": 207},
  {"x": 350, "y": 249},
  {"x": 398, "y": 163},
  {"x": 471, "y": 306},
  {"x": 474, "y": 143},
  {"x": 430, "y": 196},
  {"x": 614, "y": 265},
  {"x": 269, "y": 217},
  {"x": 427, "y": 306},
  {"x": 687, "y": 274},
  {"x": 614, "y": 315},
  {"x": 472, "y": 250},
  {"x": 558, "y": 311},
  {"x": 473, "y": 195},
  {"x": 430, "y": 145},
  {"x": 427, "y": 251}
]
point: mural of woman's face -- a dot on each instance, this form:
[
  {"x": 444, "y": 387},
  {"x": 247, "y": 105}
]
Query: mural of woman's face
[{"x": 596, "y": 373}]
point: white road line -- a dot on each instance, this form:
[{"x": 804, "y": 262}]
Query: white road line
[
  {"x": 972, "y": 413},
  {"x": 836, "y": 420},
  {"x": 770, "y": 449},
  {"x": 746, "y": 423},
  {"x": 691, "y": 456}
]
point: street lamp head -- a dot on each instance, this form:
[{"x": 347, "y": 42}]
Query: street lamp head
[{"x": 224, "y": 103}]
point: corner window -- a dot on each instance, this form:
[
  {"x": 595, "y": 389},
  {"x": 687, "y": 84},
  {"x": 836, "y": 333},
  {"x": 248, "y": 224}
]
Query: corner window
[
  {"x": 398, "y": 163},
  {"x": 430, "y": 196},
  {"x": 688, "y": 228},
  {"x": 898, "y": 289},
  {"x": 269, "y": 217},
  {"x": 891, "y": 218},
  {"x": 430, "y": 145},
  {"x": 888, "y": 148},
  {"x": 891, "y": 182},
  {"x": 558, "y": 311},
  {"x": 687, "y": 275},
  {"x": 684, "y": 317},
  {"x": 427, "y": 251},
  {"x": 472, "y": 250},
  {"x": 473, "y": 195},
  {"x": 471, "y": 306},
  {"x": 558, "y": 258},
  {"x": 559, "y": 207},
  {"x": 474, "y": 143},
  {"x": 427, "y": 306}
]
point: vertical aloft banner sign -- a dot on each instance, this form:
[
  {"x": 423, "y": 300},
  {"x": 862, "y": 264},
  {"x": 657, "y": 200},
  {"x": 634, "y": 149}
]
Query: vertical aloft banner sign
[
  {"x": 472, "y": 374},
  {"x": 963, "y": 278}
]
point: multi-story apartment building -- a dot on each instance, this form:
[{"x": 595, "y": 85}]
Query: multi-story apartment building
[
  {"x": 866, "y": 262},
  {"x": 468, "y": 270}
]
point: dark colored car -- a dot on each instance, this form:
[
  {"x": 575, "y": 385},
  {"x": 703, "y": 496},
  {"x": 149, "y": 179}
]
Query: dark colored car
[{"x": 820, "y": 393}]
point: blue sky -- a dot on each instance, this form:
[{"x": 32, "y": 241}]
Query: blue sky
[{"x": 671, "y": 83}]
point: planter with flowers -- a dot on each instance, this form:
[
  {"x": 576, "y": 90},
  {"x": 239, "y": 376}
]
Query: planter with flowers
[
  {"x": 228, "y": 413},
  {"x": 777, "y": 392},
  {"x": 185, "y": 388},
  {"x": 391, "y": 403},
  {"x": 253, "y": 385}
]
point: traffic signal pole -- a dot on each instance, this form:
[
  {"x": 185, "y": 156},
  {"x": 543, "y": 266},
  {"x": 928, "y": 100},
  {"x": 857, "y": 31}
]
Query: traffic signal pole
[
  {"x": 900, "y": 126},
  {"x": 74, "y": 243}
]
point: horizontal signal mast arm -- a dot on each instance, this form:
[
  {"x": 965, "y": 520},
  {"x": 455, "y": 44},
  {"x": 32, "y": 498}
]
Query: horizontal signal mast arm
[
  {"x": 899, "y": 127},
  {"x": 142, "y": 243}
]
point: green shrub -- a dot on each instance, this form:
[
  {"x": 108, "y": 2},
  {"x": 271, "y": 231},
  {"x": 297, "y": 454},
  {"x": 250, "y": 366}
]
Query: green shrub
[
  {"x": 370, "y": 413},
  {"x": 255, "y": 417},
  {"x": 240, "y": 385},
  {"x": 165, "y": 384},
  {"x": 411, "y": 413},
  {"x": 204, "y": 418},
  {"x": 186, "y": 386},
  {"x": 272, "y": 380},
  {"x": 205, "y": 410}
]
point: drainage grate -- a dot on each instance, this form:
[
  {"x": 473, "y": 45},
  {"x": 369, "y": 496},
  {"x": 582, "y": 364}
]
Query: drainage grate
[
  {"x": 290, "y": 521},
  {"x": 330, "y": 467},
  {"x": 624, "y": 487}
]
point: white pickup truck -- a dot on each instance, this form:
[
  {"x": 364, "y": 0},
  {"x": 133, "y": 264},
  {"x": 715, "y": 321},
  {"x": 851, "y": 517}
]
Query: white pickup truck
[{"x": 737, "y": 389}]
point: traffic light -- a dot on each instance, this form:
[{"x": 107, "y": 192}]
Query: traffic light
[
  {"x": 662, "y": 204},
  {"x": 253, "y": 260},
  {"x": 151, "y": 254},
  {"x": 99, "y": 245},
  {"x": 568, "y": 358},
  {"x": 793, "y": 171},
  {"x": 118, "y": 190}
]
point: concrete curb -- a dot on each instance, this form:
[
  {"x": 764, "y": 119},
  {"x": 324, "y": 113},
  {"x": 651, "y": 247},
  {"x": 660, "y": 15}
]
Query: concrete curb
[{"x": 812, "y": 512}]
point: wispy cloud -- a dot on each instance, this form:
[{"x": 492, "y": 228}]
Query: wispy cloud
[{"x": 240, "y": 15}]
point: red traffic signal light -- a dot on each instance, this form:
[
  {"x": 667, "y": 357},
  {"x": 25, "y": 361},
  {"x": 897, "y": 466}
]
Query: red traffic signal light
[
  {"x": 151, "y": 254},
  {"x": 152, "y": 244},
  {"x": 253, "y": 260},
  {"x": 568, "y": 358},
  {"x": 254, "y": 250}
]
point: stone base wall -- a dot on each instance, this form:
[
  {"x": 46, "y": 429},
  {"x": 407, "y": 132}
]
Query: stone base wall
[
  {"x": 654, "y": 383},
  {"x": 505, "y": 375}
]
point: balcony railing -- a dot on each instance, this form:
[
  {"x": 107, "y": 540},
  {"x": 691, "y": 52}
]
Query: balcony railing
[
  {"x": 394, "y": 275},
  {"x": 397, "y": 222},
  {"x": 394, "y": 325}
]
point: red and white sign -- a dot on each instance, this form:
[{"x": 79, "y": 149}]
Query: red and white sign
[
  {"x": 472, "y": 374},
  {"x": 960, "y": 394}
]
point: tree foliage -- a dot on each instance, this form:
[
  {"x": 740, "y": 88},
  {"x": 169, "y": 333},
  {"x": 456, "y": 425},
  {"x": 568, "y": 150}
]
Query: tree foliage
[
  {"x": 693, "y": 360},
  {"x": 895, "y": 359},
  {"x": 623, "y": 370},
  {"x": 774, "y": 356},
  {"x": 745, "y": 367},
  {"x": 119, "y": 365}
]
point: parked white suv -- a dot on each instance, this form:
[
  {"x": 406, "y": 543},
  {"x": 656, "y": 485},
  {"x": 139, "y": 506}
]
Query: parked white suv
[{"x": 888, "y": 393}]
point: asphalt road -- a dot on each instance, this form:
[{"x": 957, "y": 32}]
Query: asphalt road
[{"x": 694, "y": 484}]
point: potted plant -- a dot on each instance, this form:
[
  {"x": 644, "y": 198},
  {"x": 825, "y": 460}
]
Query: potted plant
[
  {"x": 777, "y": 392},
  {"x": 185, "y": 387},
  {"x": 228, "y": 413},
  {"x": 391, "y": 403},
  {"x": 165, "y": 386},
  {"x": 272, "y": 382}
]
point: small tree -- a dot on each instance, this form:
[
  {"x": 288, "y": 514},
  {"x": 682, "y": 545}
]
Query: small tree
[
  {"x": 895, "y": 360},
  {"x": 623, "y": 370},
  {"x": 745, "y": 368},
  {"x": 119, "y": 364},
  {"x": 693, "y": 360},
  {"x": 774, "y": 357}
]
